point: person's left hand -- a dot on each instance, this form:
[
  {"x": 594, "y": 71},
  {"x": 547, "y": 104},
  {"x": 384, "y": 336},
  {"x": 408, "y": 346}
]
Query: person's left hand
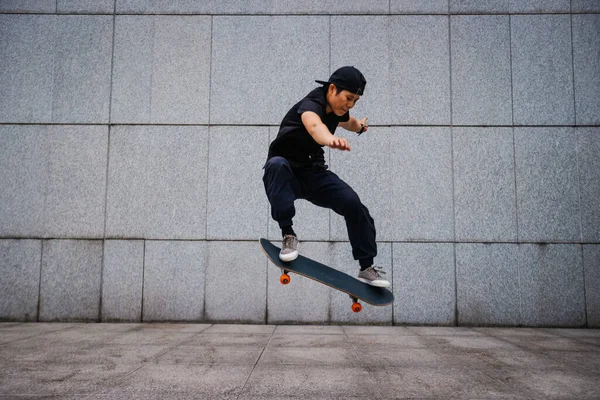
[{"x": 364, "y": 122}]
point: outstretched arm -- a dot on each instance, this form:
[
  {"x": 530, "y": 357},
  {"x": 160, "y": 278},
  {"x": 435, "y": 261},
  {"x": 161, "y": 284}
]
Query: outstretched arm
[
  {"x": 355, "y": 125},
  {"x": 317, "y": 129}
]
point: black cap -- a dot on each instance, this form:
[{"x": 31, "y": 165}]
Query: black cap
[{"x": 348, "y": 78}]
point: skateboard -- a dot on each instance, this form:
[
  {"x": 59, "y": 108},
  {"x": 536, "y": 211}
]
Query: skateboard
[{"x": 314, "y": 270}]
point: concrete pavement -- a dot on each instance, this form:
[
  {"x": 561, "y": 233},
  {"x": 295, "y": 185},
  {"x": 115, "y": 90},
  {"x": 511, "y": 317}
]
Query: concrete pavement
[{"x": 203, "y": 361}]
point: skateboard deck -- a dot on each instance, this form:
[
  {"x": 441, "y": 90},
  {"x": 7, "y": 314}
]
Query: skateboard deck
[{"x": 314, "y": 270}]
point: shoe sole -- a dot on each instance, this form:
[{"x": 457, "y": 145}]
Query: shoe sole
[
  {"x": 381, "y": 284},
  {"x": 288, "y": 257}
]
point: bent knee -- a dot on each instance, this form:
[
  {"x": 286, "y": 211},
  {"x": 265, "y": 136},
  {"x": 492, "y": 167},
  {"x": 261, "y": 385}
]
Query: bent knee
[{"x": 351, "y": 201}]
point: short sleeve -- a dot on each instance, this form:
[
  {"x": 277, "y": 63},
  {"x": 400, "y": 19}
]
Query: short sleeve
[{"x": 310, "y": 105}]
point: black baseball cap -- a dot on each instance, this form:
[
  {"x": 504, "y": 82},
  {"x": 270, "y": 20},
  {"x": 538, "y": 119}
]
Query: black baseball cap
[{"x": 348, "y": 78}]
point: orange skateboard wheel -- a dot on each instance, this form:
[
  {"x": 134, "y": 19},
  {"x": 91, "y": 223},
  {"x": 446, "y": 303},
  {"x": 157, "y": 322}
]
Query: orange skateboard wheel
[
  {"x": 284, "y": 279},
  {"x": 356, "y": 307}
]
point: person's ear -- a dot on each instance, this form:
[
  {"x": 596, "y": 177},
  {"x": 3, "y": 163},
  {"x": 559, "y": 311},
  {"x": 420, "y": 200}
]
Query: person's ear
[{"x": 332, "y": 89}]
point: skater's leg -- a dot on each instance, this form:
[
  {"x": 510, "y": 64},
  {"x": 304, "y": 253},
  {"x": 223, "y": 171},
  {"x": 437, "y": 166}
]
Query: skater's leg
[
  {"x": 328, "y": 190},
  {"x": 282, "y": 190}
]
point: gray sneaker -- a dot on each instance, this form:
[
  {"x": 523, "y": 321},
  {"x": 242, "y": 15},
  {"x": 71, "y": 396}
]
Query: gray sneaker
[
  {"x": 289, "y": 248},
  {"x": 372, "y": 276}
]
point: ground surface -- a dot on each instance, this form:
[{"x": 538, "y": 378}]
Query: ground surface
[{"x": 203, "y": 361}]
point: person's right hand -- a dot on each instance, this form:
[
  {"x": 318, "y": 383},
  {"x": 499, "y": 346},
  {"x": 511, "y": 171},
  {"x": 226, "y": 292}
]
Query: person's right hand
[{"x": 339, "y": 143}]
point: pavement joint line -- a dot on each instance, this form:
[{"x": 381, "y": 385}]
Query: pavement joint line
[
  {"x": 150, "y": 359},
  {"x": 255, "y": 364},
  {"x": 37, "y": 334}
]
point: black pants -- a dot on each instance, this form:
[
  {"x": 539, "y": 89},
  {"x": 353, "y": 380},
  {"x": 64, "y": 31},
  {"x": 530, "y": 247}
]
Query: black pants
[{"x": 284, "y": 184}]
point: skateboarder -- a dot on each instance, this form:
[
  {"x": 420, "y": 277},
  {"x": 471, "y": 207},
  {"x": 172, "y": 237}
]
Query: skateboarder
[{"x": 296, "y": 169}]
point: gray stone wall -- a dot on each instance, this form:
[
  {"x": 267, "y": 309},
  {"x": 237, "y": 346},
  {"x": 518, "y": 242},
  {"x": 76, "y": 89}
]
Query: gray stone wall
[{"x": 133, "y": 133}]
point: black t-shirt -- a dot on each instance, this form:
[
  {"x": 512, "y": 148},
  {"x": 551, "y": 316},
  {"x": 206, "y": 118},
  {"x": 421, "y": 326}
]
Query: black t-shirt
[{"x": 293, "y": 141}]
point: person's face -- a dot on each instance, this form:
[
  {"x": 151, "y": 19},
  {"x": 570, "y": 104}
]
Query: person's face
[{"x": 340, "y": 102}]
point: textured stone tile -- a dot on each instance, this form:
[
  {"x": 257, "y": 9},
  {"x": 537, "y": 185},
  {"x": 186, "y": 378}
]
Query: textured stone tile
[
  {"x": 55, "y": 179},
  {"x": 181, "y": 70},
  {"x": 23, "y": 178},
  {"x": 241, "y": 329},
  {"x": 316, "y": 382},
  {"x": 82, "y": 61},
  {"x": 585, "y": 5},
  {"x": 144, "y": 158},
  {"x": 342, "y": 260},
  {"x": 419, "y": 6},
  {"x": 442, "y": 331},
  {"x": 49, "y": 65},
  {"x": 362, "y": 168},
  {"x": 512, "y": 332},
  {"x": 239, "y": 265},
  {"x": 76, "y": 174},
  {"x": 443, "y": 382},
  {"x": 481, "y": 80},
  {"x": 588, "y": 150},
  {"x": 161, "y": 6},
  {"x": 538, "y": 6},
  {"x": 542, "y": 70},
  {"x": 591, "y": 265},
  {"x": 586, "y": 52},
  {"x": 330, "y": 7},
  {"x": 140, "y": 336},
  {"x": 171, "y": 84},
  {"x": 132, "y": 69},
  {"x": 406, "y": 84},
  {"x": 547, "y": 184},
  {"x": 484, "y": 184},
  {"x": 212, "y": 355},
  {"x": 253, "y": 7},
  {"x": 487, "y": 284},
  {"x": 419, "y": 75},
  {"x": 474, "y": 6},
  {"x": 26, "y": 65},
  {"x": 424, "y": 283},
  {"x": 509, "y": 6},
  {"x": 308, "y": 330},
  {"x": 35, "y": 380},
  {"x": 34, "y": 6},
  {"x": 70, "y": 280},
  {"x": 122, "y": 280},
  {"x": 334, "y": 357},
  {"x": 310, "y": 222},
  {"x": 377, "y": 330},
  {"x": 166, "y": 381},
  {"x": 227, "y": 338},
  {"x": 552, "y": 286},
  {"x": 174, "y": 281},
  {"x": 302, "y": 300},
  {"x": 548, "y": 383},
  {"x": 237, "y": 204},
  {"x": 274, "y": 73},
  {"x": 422, "y": 184},
  {"x": 19, "y": 287},
  {"x": 85, "y": 6},
  {"x": 372, "y": 35}
]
